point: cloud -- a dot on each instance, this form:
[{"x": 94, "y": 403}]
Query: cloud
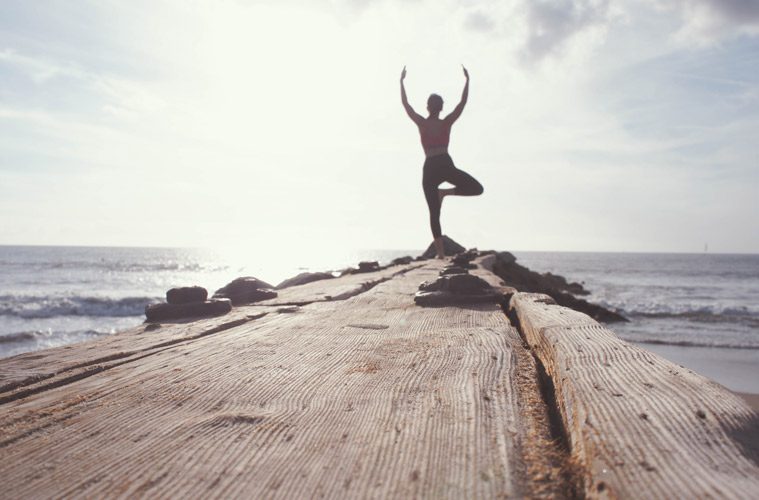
[
  {"x": 541, "y": 29},
  {"x": 118, "y": 96},
  {"x": 478, "y": 21},
  {"x": 708, "y": 21},
  {"x": 538, "y": 29},
  {"x": 553, "y": 24},
  {"x": 39, "y": 70},
  {"x": 737, "y": 13}
]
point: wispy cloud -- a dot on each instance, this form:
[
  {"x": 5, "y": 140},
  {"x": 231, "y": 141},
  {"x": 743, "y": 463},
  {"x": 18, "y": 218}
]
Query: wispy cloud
[{"x": 38, "y": 70}]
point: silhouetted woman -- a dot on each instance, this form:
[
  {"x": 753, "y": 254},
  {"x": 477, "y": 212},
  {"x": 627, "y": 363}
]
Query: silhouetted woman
[{"x": 438, "y": 166}]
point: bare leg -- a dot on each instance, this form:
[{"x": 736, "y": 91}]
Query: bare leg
[
  {"x": 439, "y": 247},
  {"x": 466, "y": 185}
]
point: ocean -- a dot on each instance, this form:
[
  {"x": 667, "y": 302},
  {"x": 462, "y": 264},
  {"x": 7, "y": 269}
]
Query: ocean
[
  {"x": 54, "y": 295},
  {"x": 698, "y": 300},
  {"x": 51, "y": 296}
]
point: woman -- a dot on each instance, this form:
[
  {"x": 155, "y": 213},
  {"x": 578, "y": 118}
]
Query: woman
[{"x": 438, "y": 165}]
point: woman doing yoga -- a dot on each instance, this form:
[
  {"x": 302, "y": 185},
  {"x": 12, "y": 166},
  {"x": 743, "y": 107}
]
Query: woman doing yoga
[{"x": 438, "y": 165}]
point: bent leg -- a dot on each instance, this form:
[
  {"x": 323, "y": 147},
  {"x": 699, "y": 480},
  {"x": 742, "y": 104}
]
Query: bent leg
[{"x": 466, "y": 185}]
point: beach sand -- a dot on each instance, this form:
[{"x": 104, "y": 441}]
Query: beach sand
[
  {"x": 753, "y": 400},
  {"x": 736, "y": 369}
]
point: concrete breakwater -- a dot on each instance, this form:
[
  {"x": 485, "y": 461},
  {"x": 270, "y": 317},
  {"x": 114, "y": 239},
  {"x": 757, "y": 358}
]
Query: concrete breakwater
[{"x": 345, "y": 387}]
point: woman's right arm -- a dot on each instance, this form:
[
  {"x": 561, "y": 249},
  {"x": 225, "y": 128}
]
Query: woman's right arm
[{"x": 416, "y": 117}]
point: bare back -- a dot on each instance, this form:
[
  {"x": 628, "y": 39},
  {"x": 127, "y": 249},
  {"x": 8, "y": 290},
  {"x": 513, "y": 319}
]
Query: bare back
[{"x": 435, "y": 134}]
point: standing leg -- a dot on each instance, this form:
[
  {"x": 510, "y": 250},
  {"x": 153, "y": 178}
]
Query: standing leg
[
  {"x": 433, "y": 203},
  {"x": 430, "y": 184}
]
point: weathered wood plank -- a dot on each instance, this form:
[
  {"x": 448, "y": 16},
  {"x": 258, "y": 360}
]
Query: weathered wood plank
[
  {"x": 32, "y": 371},
  {"x": 641, "y": 426},
  {"x": 340, "y": 288},
  {"x": 367, "y": 397}
]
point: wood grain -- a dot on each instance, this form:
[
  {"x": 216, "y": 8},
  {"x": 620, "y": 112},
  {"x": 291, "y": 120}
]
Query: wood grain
[
  {"x": 641, "y": 426},
  {"x": 31, "y": 372},
  {"x": 371, "y": 396}
]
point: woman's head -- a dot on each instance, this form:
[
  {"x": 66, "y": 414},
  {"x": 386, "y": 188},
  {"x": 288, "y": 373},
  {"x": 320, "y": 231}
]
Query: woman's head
[{"x": 434, "y": 104}]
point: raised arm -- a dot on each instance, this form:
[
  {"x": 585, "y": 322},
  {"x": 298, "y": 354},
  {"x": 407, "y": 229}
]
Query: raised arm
[
  {"x": 416, "y": 117},
  {"x": 464, "y": 96}
]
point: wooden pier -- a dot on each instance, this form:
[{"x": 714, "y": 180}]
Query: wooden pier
[{"x": 345, "y": 388}]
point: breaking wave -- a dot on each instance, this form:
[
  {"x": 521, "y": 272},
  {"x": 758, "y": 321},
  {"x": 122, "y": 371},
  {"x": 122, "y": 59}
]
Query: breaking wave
[
  {"x": 29, "y": 307},
  {"x": 44, "y": 335},
  {"x": 693, "y": 312}
]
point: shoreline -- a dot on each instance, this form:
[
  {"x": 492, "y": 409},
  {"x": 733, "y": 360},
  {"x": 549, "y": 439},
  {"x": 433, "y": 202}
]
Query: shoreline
[
  {"x": 751, "y": 399},
  {"x": 735, "y": 369}
]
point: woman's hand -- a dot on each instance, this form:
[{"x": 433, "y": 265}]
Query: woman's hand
[
  {"x": 466, "y": 73},
  {"x": 403, "y": 73}
]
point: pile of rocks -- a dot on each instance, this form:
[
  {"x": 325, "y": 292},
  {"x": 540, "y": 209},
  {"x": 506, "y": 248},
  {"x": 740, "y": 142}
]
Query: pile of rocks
[
  {"x": 187, "y": 302},
  {"x": 450, "y": 247},
  {"x": 192, "y": 301},
  {"x": 464, "y": 259},
  {"x": 245, "y": 290},
  {"x": 400, "y": 261},
  {"x": 456, "y": 286},
  {"x": 303, "y": 278},
  {"x": 368, "y": 266},
  {"x": 525, "y": 280}
]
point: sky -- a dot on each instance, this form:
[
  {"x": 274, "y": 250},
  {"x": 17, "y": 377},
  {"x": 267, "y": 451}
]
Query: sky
[{"x": 593, "y": 125}]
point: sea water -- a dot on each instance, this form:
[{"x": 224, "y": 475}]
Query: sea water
[
  {"x": 697, "y": 300},
  {"x": 51, "y": 296},
  {"x": 700, "y": 311}
]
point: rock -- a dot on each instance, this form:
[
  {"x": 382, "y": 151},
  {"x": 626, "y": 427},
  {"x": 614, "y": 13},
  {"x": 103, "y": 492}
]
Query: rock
[
  {"x": 593, "y": 310},
  {"x": 368, "y": 266},
  {"x": 245, "y": 290},
  {"x": 505, "y": 258},
  {"x": 452, "y": 269},
  {"x": 165, "y": 311},
  {"x": 463, "y": 259},
  {"x": 347, "y": 271},
  {"x": 456, "y": 283},
  {"x": 433, "y": 299},
  {"x": 525, "y": 280},
  {"x": 560, "y": 283},
  {"x": 186, "y": 294},
  {"x": 577, "y": 289},
  {"x": 304, "y": 278},
  {"x": 450, "y": 247},
  {"x": 453, "y": 289},
  {"x": 401, "y": 260},
  {"x": 470, "y": 254}
]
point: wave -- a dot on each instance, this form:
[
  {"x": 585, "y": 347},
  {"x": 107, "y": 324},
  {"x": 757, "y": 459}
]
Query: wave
[
  {"x": 130, "y": 267},
  {"x": 24, "y": 336},
  {"x": 31, "y": 307},
  {"x": 43, "y": 335},
  {"x": 690, "y": 343},
  {"x": 714, "y": 312}
]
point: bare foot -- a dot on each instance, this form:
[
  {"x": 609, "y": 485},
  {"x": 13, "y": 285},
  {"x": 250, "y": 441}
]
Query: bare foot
[{"x": 442, "y": 193}]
